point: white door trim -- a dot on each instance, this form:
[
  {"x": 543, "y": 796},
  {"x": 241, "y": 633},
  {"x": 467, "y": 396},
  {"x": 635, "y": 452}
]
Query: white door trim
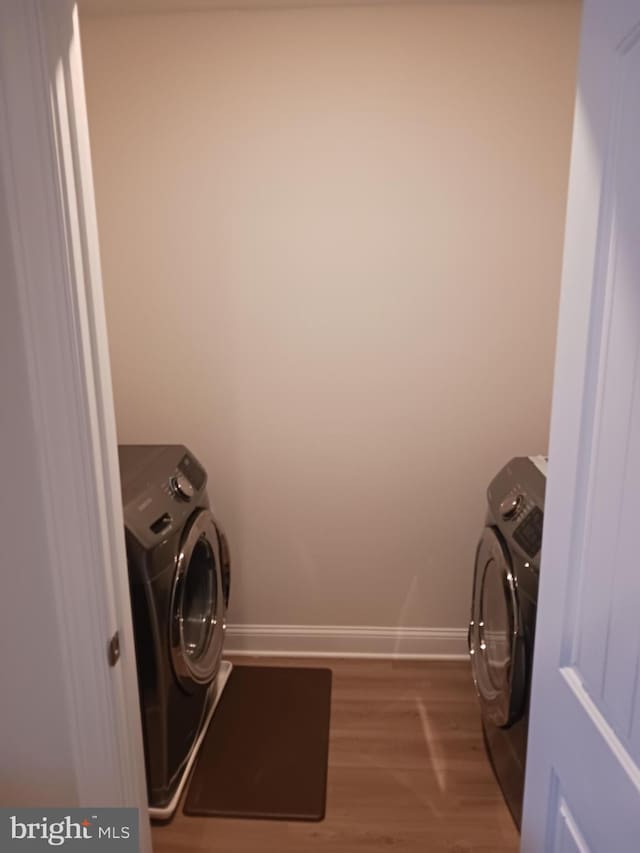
[{"x": 46, "y": 171}]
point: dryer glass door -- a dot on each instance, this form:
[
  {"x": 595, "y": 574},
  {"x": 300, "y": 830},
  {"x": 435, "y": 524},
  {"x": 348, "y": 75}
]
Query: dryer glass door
[
  {"x": 494, "y": 632},
  {"x": 197, "y": 628}
]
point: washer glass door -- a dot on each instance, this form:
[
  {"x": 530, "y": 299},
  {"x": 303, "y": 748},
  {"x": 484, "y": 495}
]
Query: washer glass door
[
  {"x": 197, "y": 625},
  {"x": 494, "y": 632}
]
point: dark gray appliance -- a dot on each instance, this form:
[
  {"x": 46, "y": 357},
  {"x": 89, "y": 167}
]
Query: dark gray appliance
[
  {"x": 503, "y": 618},
  {"x": 179, "y": 573}
]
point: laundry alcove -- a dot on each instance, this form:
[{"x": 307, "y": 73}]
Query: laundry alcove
[{"x": 331, "y": 242}]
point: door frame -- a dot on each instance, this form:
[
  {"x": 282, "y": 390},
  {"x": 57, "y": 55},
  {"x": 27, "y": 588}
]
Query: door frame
[{"x": 45, "y": 167}]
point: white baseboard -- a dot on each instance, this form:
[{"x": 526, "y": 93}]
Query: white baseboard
[{"x": 346, "y": 641}]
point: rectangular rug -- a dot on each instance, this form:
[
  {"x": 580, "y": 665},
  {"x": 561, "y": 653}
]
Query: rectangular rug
[{"x": 266, "y": 752}]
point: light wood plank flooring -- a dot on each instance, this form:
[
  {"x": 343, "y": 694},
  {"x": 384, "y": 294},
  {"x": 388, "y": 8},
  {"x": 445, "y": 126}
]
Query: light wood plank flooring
[{"x": 407, "y": 772}]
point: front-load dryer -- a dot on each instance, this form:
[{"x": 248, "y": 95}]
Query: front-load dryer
[
  {"x": 179, "y": 578},
  {"x": 503, "y": 618}
]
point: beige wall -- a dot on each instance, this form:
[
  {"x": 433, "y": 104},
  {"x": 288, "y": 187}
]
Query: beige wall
[{"x": 331, "y": 243}]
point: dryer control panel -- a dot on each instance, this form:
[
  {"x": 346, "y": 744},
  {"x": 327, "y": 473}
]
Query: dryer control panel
[
  {"x": 528, "y": 534},
  {"x": 516, "y": 505}
]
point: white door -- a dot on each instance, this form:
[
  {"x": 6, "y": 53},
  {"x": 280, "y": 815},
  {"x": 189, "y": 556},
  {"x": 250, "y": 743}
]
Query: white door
[
  {"x": 583, "y": 773},
  {"x": 70, "y": 733}
]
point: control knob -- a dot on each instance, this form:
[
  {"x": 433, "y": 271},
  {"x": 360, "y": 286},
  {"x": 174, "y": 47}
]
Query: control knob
[
  {"x": 510, "y": 506},
  {"x": 181, "y": 488}
]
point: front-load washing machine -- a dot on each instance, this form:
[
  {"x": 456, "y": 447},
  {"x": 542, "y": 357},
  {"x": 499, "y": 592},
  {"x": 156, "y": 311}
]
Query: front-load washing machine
[
  {"x": 179, "y": 579},
  {"x": 503, "y": 618}
]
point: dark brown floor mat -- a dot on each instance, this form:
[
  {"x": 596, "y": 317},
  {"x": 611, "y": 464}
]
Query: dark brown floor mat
[{"x": 265, "y": 754}]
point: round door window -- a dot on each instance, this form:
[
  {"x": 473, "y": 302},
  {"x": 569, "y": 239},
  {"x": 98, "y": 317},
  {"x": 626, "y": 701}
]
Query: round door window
[
  {"x": 496, "y": 628},
  {"x": 494, "y": 632},
  {"x": 196, "y": 634},
  {"x": 199, "y": 600}
]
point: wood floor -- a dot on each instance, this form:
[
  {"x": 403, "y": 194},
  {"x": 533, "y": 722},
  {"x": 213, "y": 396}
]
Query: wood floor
[{"x": 407, "y": 772}]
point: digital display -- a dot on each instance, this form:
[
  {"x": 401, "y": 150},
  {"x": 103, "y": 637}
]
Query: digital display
[{"x": 528, "y": 534}]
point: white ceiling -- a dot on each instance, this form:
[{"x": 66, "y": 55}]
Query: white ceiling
[
  {"x": 119, "y": 7},
  {"x": 106, "y": 7}
]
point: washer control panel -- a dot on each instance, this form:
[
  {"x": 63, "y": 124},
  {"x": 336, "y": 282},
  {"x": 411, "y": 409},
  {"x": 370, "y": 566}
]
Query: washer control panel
[
  {"x": 186, "y": 479},
  {"x": 161, "y": 483}
]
